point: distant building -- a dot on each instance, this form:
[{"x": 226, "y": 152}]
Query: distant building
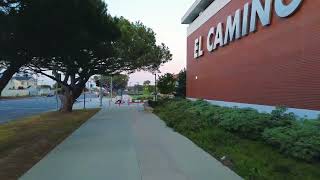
[
  {"x": 23, "y": 82},
  {"x": 44, "y": 90},
  {"x": 21, "y": 86}
]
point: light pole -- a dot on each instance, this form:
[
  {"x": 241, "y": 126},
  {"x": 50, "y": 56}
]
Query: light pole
[
  {"x": 56, "y": 92},
  {"x": 111, "y": 88},
  {"x": 155, "y": 87},
  {"x": 84, "y": 98},
  {"x": 101, "y": 94}
]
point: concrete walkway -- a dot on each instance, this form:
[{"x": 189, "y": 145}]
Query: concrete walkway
[{"x": 128, "y": 144}]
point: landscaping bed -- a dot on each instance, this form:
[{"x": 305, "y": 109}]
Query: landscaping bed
[
  {"x": 26, "y": 141},
  {"x": 142, "y": 97},
  {"x": 254, "y": 145}
]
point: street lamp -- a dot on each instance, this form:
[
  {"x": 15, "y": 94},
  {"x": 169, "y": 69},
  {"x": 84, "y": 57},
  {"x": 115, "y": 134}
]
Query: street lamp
[
  {"x": 111, "y": 87},
  {"x": 84, "y": 97},
  {"x": 155, "y": 87}
]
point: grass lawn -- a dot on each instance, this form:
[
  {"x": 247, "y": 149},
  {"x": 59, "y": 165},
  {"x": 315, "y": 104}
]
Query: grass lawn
[
  {"x": 251, "y": 159},
  {"x": 26, "y": 141}
]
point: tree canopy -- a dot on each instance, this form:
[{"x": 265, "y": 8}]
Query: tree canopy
[
  {"x": 119, "y": 82},
  {"x": 146, "y": 83},
  {"x": 181, "y": 84},
  {"x": 166, "y": 83},
  {"x": 14, "y": 48},
  {"x": 75, "y": 40}
]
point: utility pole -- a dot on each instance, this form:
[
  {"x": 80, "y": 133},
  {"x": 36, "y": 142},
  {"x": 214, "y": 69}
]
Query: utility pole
[
  {"x": 111, "y": 88},
  {"x": 57, "y": 86},
  {"x": 101, "y": 94},
  {"x": 155, "y": 87},
  {"x": 84, "y": 98}
]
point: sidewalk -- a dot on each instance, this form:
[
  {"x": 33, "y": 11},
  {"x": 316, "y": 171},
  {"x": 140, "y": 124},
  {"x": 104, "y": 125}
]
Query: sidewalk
[{"x": 128, "y": 144}]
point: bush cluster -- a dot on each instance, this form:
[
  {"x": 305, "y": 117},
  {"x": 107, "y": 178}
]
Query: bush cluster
[
  {"x": 300, "y": 140},
  {"x": 246, "y": 122},
  {"x": 187, "y": 117},
  {"x": 292, "y": 136},
  {"x": 250, "y": 123},
  {"x": 143, "y": 97}
]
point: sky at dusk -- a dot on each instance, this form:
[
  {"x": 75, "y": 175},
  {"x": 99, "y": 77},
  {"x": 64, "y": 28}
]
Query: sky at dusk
[{"x": 164, "y": 17}]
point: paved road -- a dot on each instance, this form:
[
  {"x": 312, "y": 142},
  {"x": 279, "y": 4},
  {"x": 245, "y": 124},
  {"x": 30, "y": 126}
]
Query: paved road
[
  {"x": 13, "y": 109},
  {"x": 127, "y": 143}
]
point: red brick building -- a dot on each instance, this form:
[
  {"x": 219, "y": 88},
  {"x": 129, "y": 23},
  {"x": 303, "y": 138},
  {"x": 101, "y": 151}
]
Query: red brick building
[{"x": 255, "y": 53}]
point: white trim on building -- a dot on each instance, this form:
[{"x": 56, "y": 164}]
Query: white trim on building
[
  {"x": 200, "y": 12},
  {"x": 193, "y": 12}
]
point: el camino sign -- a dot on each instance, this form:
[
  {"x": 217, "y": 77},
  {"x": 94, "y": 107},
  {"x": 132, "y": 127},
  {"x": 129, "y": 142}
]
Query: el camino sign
[{"x": 244, "y": 22}]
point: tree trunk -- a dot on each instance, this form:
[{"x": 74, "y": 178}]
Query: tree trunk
[
  {"x": 68, "y": 98},
  {"x": 67, "y": 102},
  {"x": 7, "y": 75}
]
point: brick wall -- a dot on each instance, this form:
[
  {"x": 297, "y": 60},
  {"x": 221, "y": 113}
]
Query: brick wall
[{"x": 277, "y": 65}]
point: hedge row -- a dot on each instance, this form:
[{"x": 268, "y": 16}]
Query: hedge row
[{"x": 297, "y": 138}]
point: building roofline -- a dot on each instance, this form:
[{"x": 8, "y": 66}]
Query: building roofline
[
  {"x": 206, "y": 14},
  {"x": 22, "y": 78},
  {"x": 193, "y": 12}
]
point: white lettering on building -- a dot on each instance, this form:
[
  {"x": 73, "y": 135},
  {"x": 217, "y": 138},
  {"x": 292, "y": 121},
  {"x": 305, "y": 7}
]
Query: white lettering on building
[
  {"x": 244, "y": 22},
  {"x": 198, "y": 52},
  {"x": 233, "y": 27}
]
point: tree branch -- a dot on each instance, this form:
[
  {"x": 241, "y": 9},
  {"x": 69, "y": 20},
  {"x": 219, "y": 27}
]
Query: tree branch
[{"x": 38, "y": 70}]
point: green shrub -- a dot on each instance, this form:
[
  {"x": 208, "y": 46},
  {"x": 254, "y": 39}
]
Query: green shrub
[
  {"x": 199, "y": 108},
  {"x": 280, "y": 117},
  {"x": 250, "y": 123},
  {"x": 281, "y": 129},
  {"x": 253, "y": 159},
  {"x": 182, "y": 115},
  {"x": 143, "y": 97},
  {"x": 153, "y": 103},
  {"x": 301, "y": 140},
  {"x": 247, "y": 122}
]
